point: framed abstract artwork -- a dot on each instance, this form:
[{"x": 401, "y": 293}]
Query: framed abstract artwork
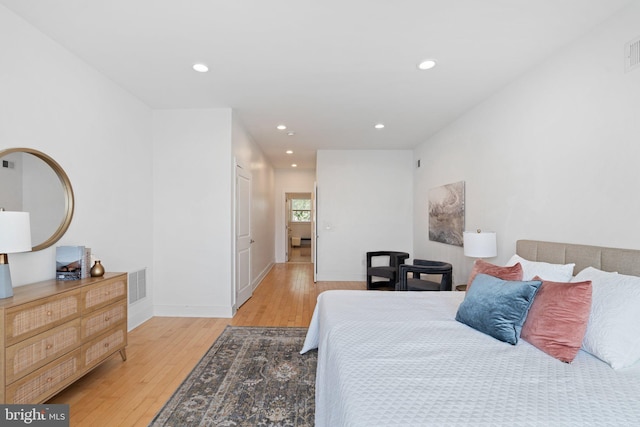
[{"x": 446, "y": 213}]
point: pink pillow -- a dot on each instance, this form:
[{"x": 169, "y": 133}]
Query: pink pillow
[
  {"x": 512, "y": 273},
  {"x": 558, "y": 317}
]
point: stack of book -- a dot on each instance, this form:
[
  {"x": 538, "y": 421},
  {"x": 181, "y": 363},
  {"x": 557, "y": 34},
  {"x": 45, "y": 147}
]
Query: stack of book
[{"x": 73, "y": 262}]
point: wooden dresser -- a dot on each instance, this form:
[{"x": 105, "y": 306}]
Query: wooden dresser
[{"x": 53, "y": 332}]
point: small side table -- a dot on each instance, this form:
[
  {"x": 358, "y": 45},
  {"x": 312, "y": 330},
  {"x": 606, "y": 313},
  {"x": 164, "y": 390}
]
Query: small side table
[{"x": 461, "y": 288}]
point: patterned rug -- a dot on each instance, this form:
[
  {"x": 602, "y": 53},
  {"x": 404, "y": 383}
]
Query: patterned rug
[{"x": 251, "y": 376}]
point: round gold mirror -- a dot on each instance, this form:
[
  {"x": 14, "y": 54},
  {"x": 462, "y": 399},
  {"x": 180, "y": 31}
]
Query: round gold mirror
[{"x": 33, "y": 182}]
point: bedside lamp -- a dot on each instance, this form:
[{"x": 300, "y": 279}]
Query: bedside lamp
[
  {"x": 480, "y": 244},
  {"x": 15, "y": 236}
]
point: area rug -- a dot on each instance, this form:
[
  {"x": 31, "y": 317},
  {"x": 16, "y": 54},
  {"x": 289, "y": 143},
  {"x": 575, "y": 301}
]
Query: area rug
[{"x": 250, "y": 376}]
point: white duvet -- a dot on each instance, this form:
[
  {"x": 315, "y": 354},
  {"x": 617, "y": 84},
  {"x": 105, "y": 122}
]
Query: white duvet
[{"x": 400, "y": 359}]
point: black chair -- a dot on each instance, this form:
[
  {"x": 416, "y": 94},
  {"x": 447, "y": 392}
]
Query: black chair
[
  {"x": 421, "y": 266},
  {"x": 389, "y": 271}
]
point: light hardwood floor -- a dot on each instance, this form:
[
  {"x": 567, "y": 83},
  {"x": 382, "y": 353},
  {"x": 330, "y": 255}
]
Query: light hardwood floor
[{"x": 163, "y": 350}]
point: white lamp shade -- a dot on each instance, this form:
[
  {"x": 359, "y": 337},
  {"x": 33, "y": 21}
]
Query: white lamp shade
[
  {"x": 15, "y": 232},
  {"x": 480, "y": 245}
]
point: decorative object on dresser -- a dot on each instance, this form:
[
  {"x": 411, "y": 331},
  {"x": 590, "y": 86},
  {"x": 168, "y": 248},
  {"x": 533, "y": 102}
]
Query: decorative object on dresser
[
  {"x": 97, "y": 270},
  {"x": 15, "y": 236},
  {"x": 72, "y": 262},
  {"x": 54, "y": 332}
]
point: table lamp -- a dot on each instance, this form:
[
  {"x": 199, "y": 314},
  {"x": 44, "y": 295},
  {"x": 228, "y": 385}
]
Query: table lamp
[
  {"x": 480, "y": 244},
  {"x": 15, "y": 236}
]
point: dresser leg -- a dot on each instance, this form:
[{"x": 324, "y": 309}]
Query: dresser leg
[{"x": 123, "y": 354}]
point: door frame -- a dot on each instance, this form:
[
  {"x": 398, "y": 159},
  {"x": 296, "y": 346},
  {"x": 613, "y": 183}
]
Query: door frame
[{"x": 287, "y": 214}]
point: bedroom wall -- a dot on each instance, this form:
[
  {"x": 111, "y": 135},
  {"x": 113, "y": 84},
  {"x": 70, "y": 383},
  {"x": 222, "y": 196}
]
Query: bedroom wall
[
  {"x": 125, "y": 184},
  {"x": 365, "y": 203},
  {"x": 249, "y": 154},
  {"x": 101, "y": 135},
  {"x": 553, "y": 156},
  {"x": 288, "y": 181},
  {"x": 192, "y": 221}
]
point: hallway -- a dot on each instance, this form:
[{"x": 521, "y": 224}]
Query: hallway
[
  {"x": 286, "y": 297},
  {"x": 300, "y": 253}
]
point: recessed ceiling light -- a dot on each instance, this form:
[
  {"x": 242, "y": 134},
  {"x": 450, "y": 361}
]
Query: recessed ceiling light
[
  {"x": 379, "y": 126},
  {"x": 293, "y": 165},
  {"x": 281, "y": 127},
  {"x": 201, "y": 68},
  {"x": 291, "y": 133},
  {"x": 289, "y": 152},
  {"x": 427, "y": 64}
]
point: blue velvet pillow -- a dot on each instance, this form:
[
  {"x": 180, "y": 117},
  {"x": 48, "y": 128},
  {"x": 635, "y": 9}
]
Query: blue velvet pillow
[{"x": 497, "y": 307}]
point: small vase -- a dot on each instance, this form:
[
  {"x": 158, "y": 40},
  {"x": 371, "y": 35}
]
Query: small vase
[{"x": 97, "y": 270}]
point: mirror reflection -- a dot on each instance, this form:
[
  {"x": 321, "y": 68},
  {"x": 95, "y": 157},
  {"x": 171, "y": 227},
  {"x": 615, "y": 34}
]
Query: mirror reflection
[{"x": 33, "y": 182}]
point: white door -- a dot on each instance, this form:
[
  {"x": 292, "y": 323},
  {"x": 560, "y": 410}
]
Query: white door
[
  {"x": 243, "y": 236},
  {"x": 314, "y": 231},
  {"x": 287, "y": 228}
]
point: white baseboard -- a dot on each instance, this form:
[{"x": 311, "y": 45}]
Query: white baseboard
[
  {"x": 192, "y": 311},
  {"x": 262, "y": 275},
  {"x": 340, "y": 277},
  {"x": 138, "y": 315}
]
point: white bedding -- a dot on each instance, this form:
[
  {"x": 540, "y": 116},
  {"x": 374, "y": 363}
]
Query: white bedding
[{"x": 400, "y": 359}]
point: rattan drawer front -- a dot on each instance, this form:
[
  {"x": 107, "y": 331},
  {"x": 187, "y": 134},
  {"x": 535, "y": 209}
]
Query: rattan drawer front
[
  {"x": 30, "y": 354},
  {"x": 46, "y": 381},
  {"x": 29, "y": 319},
  {"x": 94, "y": 297},
  {"x": 105, "y": 345},
  {"x": 101, "y": 320}
]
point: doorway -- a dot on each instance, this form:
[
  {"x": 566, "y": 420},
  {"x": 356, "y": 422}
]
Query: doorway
[{"x": 298, "y": 229}]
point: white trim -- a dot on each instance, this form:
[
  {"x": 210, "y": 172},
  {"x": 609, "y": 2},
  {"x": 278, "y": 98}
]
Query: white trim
[
  {"x": 340, "y": 277},
  {"x": 136, "y": 318},
  {"x": 192, "y": 311},
  {"x": 262, "y": 275}
]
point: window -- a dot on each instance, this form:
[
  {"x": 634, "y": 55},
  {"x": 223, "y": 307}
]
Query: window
[{"x": 300, "y": 210}]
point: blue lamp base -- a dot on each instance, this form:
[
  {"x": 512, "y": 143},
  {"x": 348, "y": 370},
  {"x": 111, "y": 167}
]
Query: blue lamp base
[{"x": 6, "y": 289}]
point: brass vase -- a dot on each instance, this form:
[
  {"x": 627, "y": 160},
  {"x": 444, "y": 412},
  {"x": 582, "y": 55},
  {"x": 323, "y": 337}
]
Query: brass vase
[{"x": 97, "y": 270}]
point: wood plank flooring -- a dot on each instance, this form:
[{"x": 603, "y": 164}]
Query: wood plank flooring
[{"x": 163, "y": 350}]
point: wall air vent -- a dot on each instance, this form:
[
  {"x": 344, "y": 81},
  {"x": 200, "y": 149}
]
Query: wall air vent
[
  {"x": 632, "y": 55},
  {"x": 137, "y": 285}
]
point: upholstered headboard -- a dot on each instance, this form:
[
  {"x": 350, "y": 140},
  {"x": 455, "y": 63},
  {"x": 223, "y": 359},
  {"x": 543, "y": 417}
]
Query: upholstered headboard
[{"x": 623, "y": 261}]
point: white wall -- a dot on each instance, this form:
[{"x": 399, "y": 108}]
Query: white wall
[
  {"x": 192, "y": 221},
  {"x": 365, "y": 203},
  {"x": 247, "y": 153},
  {"x": 553, "y": 156},
  {"x": 136, "y": 174},
  {"x": 288, "y": 181},
  {"x": 53, "y": 102}
]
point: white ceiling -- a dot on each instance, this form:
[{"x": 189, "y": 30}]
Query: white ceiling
[{"x": 328, "y": 69}]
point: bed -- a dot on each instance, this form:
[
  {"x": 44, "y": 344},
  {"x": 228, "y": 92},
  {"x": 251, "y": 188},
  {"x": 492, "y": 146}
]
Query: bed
[{"x": 401, "y": 359}]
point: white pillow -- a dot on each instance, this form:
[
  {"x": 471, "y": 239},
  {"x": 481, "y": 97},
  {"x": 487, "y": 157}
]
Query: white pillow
[
  {"x": 612, "y": 332},
  {"x": 544, "y": 270}
]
